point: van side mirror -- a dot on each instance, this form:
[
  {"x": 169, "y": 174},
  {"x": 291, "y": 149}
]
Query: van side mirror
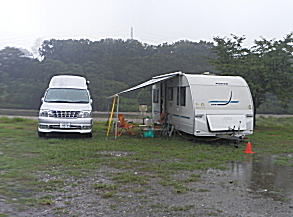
[
  {"x": 91, "y": 101},
  {"x": 42, "y": 99}
]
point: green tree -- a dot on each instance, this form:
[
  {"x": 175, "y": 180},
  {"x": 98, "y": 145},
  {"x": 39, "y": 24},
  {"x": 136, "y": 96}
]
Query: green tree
[{"x": 266, "y": 66}]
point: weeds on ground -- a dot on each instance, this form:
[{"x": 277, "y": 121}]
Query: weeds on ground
[
  {"x": 273, "y": 135},
  {"x": 25, "y": 158}
]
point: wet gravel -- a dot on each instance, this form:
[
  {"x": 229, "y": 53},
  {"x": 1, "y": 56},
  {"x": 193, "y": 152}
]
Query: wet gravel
[{"x": 216, "y": 193}]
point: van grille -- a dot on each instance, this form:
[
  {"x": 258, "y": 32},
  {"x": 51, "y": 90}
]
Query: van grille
[{"x": 65, "y": 114}]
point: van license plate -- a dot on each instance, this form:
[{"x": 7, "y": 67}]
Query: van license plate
[{"x": 64, "y": 125}]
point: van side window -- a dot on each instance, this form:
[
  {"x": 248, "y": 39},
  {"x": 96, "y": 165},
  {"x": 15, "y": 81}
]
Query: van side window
[
  {"x": 170, "y": 93},
  {"x": 182, "y": 96},
  {"x": 155, "y": 95}
]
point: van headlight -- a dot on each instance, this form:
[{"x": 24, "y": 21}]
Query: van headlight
[
  {"x": 43, "y": 113},
  {"x": 84, "y": 114},
  {"x": 46, "y": 113}
]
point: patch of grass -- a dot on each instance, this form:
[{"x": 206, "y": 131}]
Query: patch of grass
[
  {"x": 177, "y": 186},
  {"x": 181, "y": 208},
  {"x": 138, "y": 190},
  {"x": 113, "y": 206},
  {"x": 46, "y": 200},
  {"x": 130, "y": 178},
  {"x": 158, "y": 206},
  {"x": 108, "y": 194},
  {"x": 192, "y": 178},
  {"x": 104, "y": 186},
  {"x": 14, "y": 120},
  {"x": 285, "y": 199},
  {"x": 51, "y": 185},
  {"x": 203, "y": 190},
  {"x": 29, "y": 201},
  {"x": 284, "y": 160},
  {"x": 24, "y": 156},
  {"x": 212, "y": 214},
  {"x": 273, "y": 135}
]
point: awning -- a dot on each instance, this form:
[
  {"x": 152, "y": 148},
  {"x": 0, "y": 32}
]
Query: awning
[{"x": 154, "y": 80}]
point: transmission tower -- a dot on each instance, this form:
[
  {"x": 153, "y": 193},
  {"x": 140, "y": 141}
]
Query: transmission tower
[{"x": 131, "y": 33}]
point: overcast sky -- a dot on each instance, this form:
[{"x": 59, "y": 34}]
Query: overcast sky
[{"x": 22, "y": 22}]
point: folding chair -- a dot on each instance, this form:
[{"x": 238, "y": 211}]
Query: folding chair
[{"x": 123, "y": 125}]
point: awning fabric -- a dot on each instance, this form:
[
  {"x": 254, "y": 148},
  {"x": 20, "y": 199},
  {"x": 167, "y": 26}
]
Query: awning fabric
[{"x": 151, "y": 82}]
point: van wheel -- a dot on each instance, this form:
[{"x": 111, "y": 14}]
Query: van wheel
[
  {"x": 88, "y": 135},
  {"x": 41, "y": 135}
]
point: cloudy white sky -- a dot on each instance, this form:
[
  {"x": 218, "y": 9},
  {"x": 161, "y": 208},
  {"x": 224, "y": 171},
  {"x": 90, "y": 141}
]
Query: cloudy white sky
[{"x": 22, "y": 22}]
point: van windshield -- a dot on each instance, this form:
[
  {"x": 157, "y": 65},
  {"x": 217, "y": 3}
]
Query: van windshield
[{"x": 67, "y": 95}]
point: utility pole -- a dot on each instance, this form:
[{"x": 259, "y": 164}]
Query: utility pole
[{"x": 131, "y": 33}]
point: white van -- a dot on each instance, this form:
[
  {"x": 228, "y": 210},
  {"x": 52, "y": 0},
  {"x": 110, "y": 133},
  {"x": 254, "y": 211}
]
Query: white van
[{"x": 66, "y": 107}]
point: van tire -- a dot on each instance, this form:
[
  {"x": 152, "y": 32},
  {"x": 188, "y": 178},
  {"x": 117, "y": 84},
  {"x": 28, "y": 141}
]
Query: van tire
[
  {"x": 88, "y": 135},
  {"x": 41, "y": 135}
]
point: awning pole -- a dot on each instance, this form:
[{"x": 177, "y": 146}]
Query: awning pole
[
  {"x": 111, "y": 116},
  {"x": 153, "y": 112},
  {"x": 117, "y": 113}
]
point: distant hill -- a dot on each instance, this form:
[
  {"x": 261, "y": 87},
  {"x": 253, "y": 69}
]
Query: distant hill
[{"x": 110, "y": 65}]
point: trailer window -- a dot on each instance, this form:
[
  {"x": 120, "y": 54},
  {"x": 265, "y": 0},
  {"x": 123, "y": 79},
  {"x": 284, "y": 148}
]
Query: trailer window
[
  {"x": 170, "y": 93},
  {"x": 182, "y": 96},
  {"x": 177, "y": 96},
  {"x": 156, "y": 96}
]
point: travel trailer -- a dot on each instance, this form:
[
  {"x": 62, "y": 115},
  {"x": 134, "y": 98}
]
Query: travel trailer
[
  {"x": 66, "y": 107},
  {"x": 203, "y": 105}
]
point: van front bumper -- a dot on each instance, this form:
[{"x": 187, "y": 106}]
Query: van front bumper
[{"x": 65, "y": 125}]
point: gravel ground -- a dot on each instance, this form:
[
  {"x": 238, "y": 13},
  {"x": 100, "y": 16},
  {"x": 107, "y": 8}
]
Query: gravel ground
[{"x": 217, "y": 193}]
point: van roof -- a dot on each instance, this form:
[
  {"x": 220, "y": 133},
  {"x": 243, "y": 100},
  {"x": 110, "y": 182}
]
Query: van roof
[{"x": 68, "y": 81}]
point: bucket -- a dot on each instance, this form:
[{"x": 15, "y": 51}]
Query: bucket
[{"x": 148, "y": 133}]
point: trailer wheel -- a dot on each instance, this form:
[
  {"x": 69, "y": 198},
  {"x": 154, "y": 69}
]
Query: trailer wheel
[{"x": 236, "y": 143}]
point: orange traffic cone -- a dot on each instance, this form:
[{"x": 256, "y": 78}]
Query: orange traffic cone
[{"x": 248, "y": 149}]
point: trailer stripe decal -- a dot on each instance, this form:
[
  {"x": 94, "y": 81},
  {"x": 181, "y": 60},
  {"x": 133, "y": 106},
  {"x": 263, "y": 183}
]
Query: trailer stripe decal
[
  {"x": 181, "y": 116},
  {"x": 218, "y": 101},
  {"x": 222, "y": 102}
]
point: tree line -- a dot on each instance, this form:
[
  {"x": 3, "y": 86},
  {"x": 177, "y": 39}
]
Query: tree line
[
  {"x": 112, "y": 65},
  {"x": 267, "y": 66}
]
